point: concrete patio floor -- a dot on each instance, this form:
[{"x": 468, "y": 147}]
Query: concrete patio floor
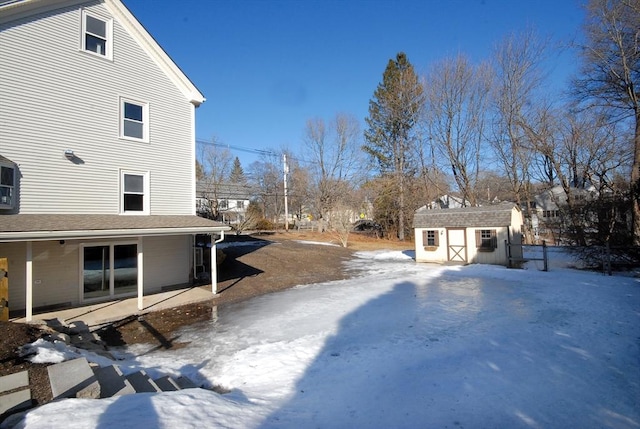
[{"x": 97, "y": 315}]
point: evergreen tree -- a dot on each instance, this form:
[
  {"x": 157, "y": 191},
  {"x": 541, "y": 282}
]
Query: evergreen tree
[
  {"x": 392, "y": 136},
  {"x": 237, "y": 174}
]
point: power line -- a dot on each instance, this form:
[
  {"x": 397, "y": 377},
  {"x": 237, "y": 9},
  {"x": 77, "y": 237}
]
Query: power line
[
  {"x": 250, "y": 150},
  {"x": 238, "y": 148}
]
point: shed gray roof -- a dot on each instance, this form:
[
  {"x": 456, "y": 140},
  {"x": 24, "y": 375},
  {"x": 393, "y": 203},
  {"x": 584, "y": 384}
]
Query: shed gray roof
[
  {"x": 473, "y": 217},
  {"x": 24, "y": 227}
]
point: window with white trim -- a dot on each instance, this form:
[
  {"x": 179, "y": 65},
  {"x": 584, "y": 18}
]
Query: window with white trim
[
  {"x": 134, "y": 120},
  {"x": 97, "y": 34},
  {"x": 135, "y": 193},
  {"x": 7, "y": 184}
]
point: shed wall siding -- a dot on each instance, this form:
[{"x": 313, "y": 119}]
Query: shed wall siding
[
  {"x": 56, "y": 97},
  {"x": 439, "y": 254}
]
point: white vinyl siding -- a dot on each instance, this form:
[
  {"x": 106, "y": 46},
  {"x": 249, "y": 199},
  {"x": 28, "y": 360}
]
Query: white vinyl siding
[
  {"x": 55, "y": 273},
  {"x": 82, "y": 114},
  {"x": 167, "y": 261}
]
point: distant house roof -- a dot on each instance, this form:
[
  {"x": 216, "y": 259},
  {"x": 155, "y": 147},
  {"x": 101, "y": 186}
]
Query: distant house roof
[
  {"x": 34, "y": 227},
  {"x": 240, "y": 191},
  {"x": 474, "y": 217}
]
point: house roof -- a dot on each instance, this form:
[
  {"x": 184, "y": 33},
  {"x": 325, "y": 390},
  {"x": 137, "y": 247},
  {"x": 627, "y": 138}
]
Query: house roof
[
  {"x": 17, "y": 9},
  {"x": 486, "y": 216},
  {"x": 5, "y": 160},
  {"x": 41, "y": 227},
  {"x": 205, "y": 188}
]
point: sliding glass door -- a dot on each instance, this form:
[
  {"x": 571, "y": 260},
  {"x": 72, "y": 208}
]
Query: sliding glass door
[{"x": 109, "y": 270}]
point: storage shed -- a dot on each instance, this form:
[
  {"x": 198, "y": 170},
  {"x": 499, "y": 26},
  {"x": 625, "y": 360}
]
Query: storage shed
[{"x": 480, "y": 235}]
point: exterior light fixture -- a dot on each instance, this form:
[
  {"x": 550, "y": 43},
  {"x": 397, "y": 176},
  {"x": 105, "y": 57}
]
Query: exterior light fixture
[{"x": 68, "y": 153}]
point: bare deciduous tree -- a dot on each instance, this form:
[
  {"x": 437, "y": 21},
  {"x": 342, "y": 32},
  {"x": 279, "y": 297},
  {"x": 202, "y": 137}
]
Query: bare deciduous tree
[
  {"x": 610, "y": 74},
  {"x": 335, "y": 159},
  {"x": 216, "y": 162},
  {"x": 517, "y": 78},
  {"x": 456, "y": 93}
]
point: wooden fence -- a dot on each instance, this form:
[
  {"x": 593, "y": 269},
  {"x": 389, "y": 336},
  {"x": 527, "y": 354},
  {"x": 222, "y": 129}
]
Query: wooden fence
[{"x": 516, "y": 254}]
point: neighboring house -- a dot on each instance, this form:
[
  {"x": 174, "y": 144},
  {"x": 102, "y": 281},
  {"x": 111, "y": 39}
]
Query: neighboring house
[
  {"x": 547, "y": 209},
  {"x": 231, "y": 200},
  {"x": 97, "y": 153},
  {"x": 468, "y": 235},
  {"x": 449, "y": 202}
]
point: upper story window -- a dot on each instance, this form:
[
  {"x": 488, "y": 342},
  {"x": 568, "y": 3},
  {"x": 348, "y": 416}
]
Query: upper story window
[
  {"x": 134, "y": 120},
  {"x": 240, "y": 204},
  {"x": 135, "y": 193},
  {"x": 97, "y": 34},
  {"x": 7, "y": 185}
]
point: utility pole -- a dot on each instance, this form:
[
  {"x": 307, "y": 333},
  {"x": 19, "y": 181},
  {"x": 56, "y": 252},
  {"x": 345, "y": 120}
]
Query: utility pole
[{"x": 286, "y": 205}]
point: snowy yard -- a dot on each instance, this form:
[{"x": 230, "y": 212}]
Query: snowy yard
[{"x": 403, "y": 345}]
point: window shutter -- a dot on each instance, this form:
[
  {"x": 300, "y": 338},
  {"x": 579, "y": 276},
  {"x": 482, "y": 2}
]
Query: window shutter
[
  {"x": 424, "y": 238},
  {"x": 436, "y": 238},
  {"x": 494, "y": 239},
  {"x": 478, "y": 238}
]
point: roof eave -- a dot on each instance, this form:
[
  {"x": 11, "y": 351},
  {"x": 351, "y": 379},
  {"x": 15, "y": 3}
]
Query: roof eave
[{"x": 105, "y": 234}]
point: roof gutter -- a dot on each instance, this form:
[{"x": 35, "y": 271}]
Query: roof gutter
[{"x": 106, "y": 234}]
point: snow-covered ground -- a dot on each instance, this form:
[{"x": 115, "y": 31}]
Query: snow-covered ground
[{"x": 403, "y": 345}]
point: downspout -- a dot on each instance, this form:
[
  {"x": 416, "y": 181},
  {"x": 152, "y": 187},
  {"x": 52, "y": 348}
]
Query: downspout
[{"x": 214, "y": 264}]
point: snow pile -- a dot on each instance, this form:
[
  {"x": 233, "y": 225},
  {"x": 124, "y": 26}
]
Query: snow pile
[{"x": 403, "y": 345}]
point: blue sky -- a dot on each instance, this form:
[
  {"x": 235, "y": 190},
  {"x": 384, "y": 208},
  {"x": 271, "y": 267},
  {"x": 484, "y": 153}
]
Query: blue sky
[{"x": 267, "y": 66}]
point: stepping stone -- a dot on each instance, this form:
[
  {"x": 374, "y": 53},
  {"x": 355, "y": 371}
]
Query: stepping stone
[
  {"x": 112, "y": 382},
  {"x": 167, "y": 384},
  {"x": 142, "y": 383},
  {"x": 16, "y": 401},
  {"x": 78, "y": 327},
  {"x": 73, "y": 378},
  {"x": 14, "y": 381},
  {"x": 185, "y": 383}
]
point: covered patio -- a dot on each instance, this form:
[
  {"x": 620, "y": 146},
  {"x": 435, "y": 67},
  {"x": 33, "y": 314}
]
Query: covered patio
[
  {"x": 51, "y": 252},
  {"x": 99, "y": 314}
]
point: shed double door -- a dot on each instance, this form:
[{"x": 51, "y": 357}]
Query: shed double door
[{"x": 457, "y": 244}]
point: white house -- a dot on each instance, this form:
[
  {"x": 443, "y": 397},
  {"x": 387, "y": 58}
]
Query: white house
[
  {"x": 231, "y": 199},
  {"x": 468, "y": 235},
  {"x": 96, "y": 156}
]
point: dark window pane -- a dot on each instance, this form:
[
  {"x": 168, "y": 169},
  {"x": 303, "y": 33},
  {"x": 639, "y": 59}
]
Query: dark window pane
[
  {"x": 96, "y": 271},
  {"x": 133, "y": 112},
  {"x": 6, "y": 176},
  {"x": 133, "y": 129},
  {"x": 133, "y": 203},
  {"x": 96, "y": 26},
  {"x": 125, "y": 265},
  {"x": 133, "y": 183},
  {"x": 95, "y": 44}
]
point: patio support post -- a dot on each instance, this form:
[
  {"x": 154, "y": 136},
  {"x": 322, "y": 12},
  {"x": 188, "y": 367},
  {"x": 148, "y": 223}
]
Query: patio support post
[
  {"x": 29, "y": 281},
  {"x": 140, "y": 275}
]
